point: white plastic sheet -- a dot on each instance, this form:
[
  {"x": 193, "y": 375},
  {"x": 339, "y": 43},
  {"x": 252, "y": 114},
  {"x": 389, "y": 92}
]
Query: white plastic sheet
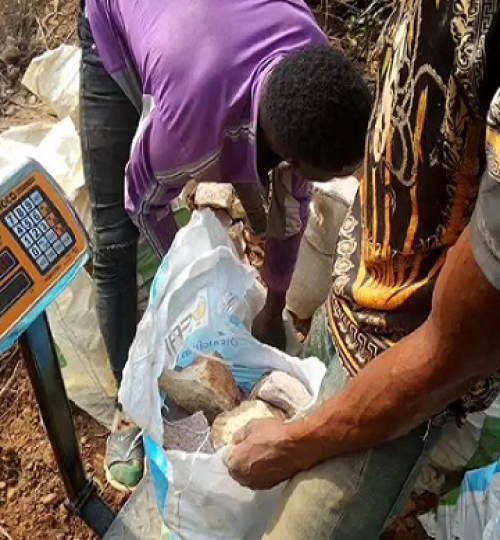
[{"x": 54, "y": 77}]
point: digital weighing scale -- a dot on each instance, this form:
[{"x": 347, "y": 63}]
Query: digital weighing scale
[{"x": 42, "y": 247}]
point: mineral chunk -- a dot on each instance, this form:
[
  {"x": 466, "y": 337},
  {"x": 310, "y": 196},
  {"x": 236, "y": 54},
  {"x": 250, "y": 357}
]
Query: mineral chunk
[
  {"x": 282, "y": 391},
  {"x": 227, "y": 424},
  {"x": 207, "y": 385}
]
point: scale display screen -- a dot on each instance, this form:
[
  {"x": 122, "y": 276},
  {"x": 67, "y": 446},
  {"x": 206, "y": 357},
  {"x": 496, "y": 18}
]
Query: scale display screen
[
  {"x": 7, "y": 262},
  {"x": 42, "y": 245},
  {"x": 13, "y": 290}
]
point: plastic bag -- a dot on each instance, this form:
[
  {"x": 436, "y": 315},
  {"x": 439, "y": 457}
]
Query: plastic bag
[
  {"x": 199, "y": 304},
  {"x": 55, "y": 78},
  {"x": 474, "y": 444},
  {"x": 80, "y": 348},
  {"x": 475, "y": 511}
]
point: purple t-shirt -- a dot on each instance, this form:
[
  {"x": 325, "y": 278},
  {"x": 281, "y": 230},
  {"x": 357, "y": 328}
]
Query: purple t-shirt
[{"x": 195, "y": 69}]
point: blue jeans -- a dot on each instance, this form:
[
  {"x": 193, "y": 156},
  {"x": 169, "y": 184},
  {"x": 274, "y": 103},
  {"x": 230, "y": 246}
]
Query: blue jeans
[
  {"x": 108, "y": 122},
  {"x": 353, "y": 497}
]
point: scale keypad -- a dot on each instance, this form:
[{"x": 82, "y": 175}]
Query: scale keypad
[{"x": 40, "y": 229}]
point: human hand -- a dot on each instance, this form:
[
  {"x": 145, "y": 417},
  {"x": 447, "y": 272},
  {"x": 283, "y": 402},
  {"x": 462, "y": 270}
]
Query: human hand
[
  {"x": 256, "y": 243},
  {"x": 262, "y": 455}
]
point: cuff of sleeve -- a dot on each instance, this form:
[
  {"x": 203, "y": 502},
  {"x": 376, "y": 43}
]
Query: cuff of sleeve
[{"x": 483, "y": 248}]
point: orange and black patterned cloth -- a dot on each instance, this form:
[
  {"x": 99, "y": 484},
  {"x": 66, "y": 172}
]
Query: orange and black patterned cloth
[{"x": 439, "y": 71}]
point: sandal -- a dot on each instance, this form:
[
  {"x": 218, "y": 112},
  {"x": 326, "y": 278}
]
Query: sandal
[{"x": 124, "y": 463}]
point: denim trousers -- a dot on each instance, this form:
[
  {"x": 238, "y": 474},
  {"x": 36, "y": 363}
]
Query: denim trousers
[
  {"x": 353, "y": 497},
  {"x": 108, "y": 122}
]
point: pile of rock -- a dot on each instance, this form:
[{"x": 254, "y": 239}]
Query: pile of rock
[
  {"x": 236, "y": 209},
  {"x": 206, "y": 406}
]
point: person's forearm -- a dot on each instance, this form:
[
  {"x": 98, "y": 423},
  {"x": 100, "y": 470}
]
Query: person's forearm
[
  {"x": 418, "y": 377},
  {"x": 252, "y": 199},
  {"x": 396, "y": 393}
]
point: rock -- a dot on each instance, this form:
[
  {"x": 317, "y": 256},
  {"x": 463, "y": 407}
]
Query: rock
[
  {"x": 236, "y": 233},
  {"x": 49, "y": 499},
  {"x": 171, "y": 412},
  {"x": 207, "y": 385},
  {"x": 283, "y": 392},
  {"x": 237, "y": 211},
  {"x": 189, "y": 434},
  {"x": 227, "y": 424},
  {"x": 214, "y": 195},
  {"x": 3, "y": 485},
  {"x": 11, "y": 494}
]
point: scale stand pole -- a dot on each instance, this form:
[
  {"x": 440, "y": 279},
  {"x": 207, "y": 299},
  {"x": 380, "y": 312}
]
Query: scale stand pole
[{"x": 41, "y": 361}]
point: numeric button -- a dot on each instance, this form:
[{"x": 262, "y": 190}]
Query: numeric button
[
  {"x": 27, "y": 241},
  {"x": 27, "y": 223},
  {"x": 59, "y": 247},
  {"x": 36, "y": 233},
  {"x": 36, "y": 216},
  {"x": 66, "y": 239},
  {"x": 35, "y": 251},
  {"x": 43, "y": 226},
  {"x": 51, "y": 236},
  {"x": 19, "y": 212},
  {"x": 10, "y": 219},
  {"x": 19, "y": 230},
  {"x": 42, "y": 263},
  {"x": 28, "y": 205},
  {"x": 36, "y": 198}
]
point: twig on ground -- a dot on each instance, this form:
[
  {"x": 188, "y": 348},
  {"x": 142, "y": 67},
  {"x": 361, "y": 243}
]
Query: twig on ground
[
  {"x": 8, "y": 385},
  {"x": 4, "y": 533},
  {"x": 345, "y": 4},
  {"x": 49, "y": 16},
  {"x": 70, "y": 35},
  {"x": 7, "y": 357},
  {"x": 4, "y": 365},
  {"x": 11, "y": 406},
  {"x": 42, "y": 33}
]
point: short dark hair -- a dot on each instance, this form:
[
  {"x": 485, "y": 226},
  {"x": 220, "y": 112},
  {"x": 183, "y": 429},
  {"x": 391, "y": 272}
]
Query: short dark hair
[{"x": 317, "y": 107}]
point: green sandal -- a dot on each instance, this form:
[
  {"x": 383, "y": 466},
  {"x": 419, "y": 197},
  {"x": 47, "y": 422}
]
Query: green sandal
[{"x": 124, "y": 464}]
